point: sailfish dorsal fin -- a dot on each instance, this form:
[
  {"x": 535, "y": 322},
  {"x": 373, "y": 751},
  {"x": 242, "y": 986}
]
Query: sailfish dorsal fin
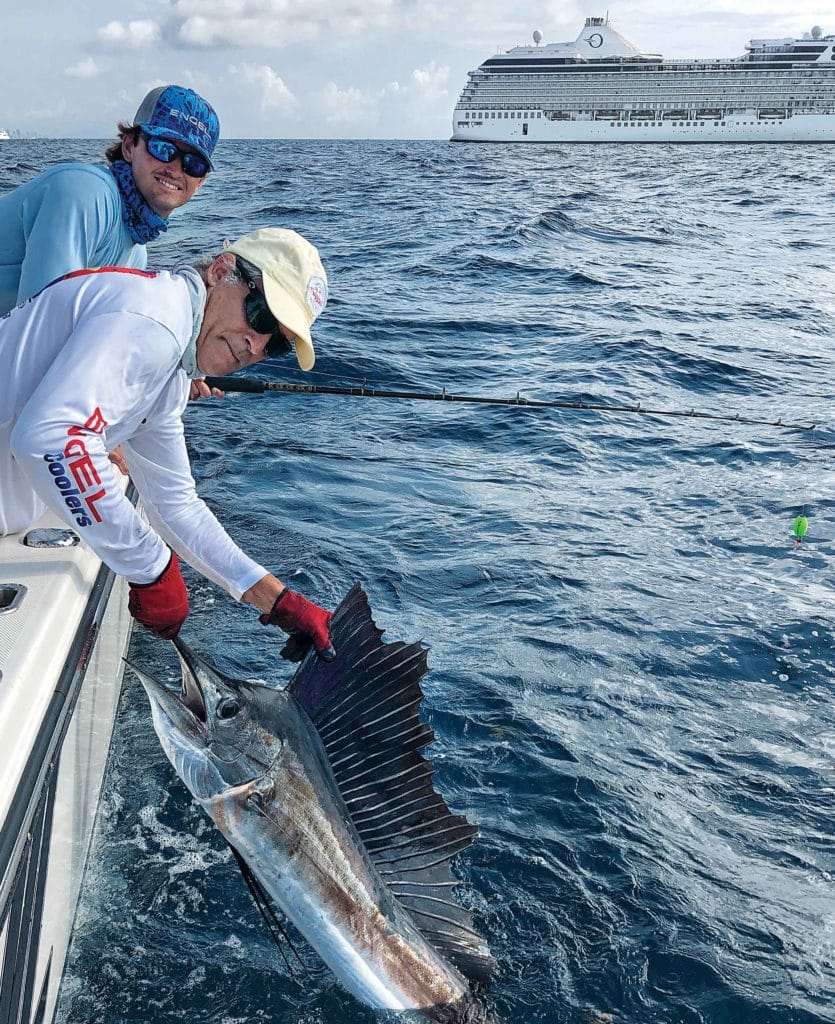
[{"x": 365, "y": 705}]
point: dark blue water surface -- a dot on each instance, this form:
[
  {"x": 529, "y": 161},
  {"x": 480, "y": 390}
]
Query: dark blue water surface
[{"x": 632, "y": 664}]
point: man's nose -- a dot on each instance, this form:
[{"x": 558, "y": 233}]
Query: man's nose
[{"x": 257, "y": 344}]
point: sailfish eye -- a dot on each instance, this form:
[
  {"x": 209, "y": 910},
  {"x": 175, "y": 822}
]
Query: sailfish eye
[{"x": 228, "y": 709}]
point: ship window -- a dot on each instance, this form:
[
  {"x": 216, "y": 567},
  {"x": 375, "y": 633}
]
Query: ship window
[{"x": 724, "y": 123}]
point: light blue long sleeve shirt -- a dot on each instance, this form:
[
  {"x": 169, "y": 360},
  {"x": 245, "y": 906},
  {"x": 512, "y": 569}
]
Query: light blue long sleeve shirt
[{"x": 68, "y": 218}]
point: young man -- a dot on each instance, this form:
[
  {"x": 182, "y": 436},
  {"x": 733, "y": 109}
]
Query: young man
[
  {"x": 79, "y": 215},
  {"x": 105, "y": 357}
]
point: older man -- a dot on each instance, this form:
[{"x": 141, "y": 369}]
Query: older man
[{"x": 105, "y": 357}]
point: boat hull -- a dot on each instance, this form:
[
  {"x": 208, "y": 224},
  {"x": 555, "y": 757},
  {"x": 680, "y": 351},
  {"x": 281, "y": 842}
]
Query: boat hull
[{"x": 62, "y": 641}]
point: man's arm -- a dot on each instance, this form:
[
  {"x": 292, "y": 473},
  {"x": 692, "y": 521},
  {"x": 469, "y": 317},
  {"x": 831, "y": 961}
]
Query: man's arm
[
  {"x": 107, "y": 374},
  {"x": 263, "y": 594},
  {"x": 64, "y": 220},
  {"x": 158, "y": 463}
]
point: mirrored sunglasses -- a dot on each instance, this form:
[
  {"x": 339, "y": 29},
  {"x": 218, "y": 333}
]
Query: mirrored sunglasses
[
  {"x": 195, "y": 165},
  {"x": 260, "y": 318}
]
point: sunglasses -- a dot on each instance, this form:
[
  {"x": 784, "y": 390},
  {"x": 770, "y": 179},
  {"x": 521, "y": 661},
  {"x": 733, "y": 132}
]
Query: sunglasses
[
  {"x": 195, "y": 165},
  {"x": 260, "y": 318}
]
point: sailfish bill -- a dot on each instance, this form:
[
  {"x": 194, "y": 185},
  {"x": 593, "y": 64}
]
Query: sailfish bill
[{"x": 323, "y": 793}]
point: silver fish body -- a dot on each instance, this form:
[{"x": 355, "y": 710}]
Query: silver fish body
[{"x": 256, "y": 761}]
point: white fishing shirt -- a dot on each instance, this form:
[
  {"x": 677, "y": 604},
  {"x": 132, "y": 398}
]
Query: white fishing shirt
[{"x": 95, "y": 361}]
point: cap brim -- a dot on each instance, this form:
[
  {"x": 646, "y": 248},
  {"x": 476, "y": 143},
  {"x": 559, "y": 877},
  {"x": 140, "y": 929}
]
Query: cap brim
[
  {"x": 285, "y": 310},
  {"x": 305, "y": 356},
  {"x": 167, "y": 133}
]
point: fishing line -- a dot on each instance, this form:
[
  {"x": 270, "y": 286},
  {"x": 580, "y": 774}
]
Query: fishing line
[
  {"x": 271, "y": 920},
  {"x": 248, "y": 385}
]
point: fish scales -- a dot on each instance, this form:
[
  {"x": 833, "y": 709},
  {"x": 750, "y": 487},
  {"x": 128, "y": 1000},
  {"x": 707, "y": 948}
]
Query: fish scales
[{"x": 327, "y": 887}]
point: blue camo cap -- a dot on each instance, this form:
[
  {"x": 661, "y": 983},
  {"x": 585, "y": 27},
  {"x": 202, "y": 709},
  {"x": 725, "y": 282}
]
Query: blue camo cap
[{"x": 180, "y": 114}]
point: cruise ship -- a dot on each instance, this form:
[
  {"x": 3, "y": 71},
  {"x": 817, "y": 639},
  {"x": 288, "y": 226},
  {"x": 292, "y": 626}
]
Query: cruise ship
[{"x": 603, "y": 88}]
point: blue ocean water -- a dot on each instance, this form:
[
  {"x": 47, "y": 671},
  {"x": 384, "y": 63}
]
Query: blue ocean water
[{"x": 632, "y": 663}]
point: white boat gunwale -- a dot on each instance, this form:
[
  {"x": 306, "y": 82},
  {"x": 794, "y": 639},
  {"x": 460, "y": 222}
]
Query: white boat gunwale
[{"x": 31, "y": 964}]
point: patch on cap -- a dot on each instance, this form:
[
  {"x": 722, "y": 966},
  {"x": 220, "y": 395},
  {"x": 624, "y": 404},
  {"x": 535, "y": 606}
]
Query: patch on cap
[{"x": 317, "y": 295}]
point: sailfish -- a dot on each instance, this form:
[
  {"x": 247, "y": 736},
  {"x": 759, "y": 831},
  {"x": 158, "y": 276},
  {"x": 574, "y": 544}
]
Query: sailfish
[{"x": 323, "y": 794}]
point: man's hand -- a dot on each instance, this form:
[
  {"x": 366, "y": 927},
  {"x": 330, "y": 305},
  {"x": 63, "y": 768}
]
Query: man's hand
[
  {"x": 200, "y": 389},
  {"x": 162, "y": 606},
  {"x": 306, "y": 623},
  {"x": 118, "y": 460}
]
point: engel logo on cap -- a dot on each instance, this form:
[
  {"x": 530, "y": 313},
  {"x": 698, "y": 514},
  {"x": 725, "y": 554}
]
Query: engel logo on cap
[
  {"x": 195, "y": 122},
  {"x": 317, "y": 295}
]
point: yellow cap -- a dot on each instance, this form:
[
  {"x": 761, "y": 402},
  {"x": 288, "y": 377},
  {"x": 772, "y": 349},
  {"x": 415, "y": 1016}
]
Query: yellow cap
[{"x": 295, "y": 283}]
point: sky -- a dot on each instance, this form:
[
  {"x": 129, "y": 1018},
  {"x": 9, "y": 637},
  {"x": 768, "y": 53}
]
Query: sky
[{"x": 321, "y": 68}]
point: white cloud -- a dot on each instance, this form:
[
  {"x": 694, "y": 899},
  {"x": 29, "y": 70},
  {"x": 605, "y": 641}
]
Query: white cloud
[
  {"x": 431, "y": 81},
  {"x": 240, "y": 32},
  {"x": 135, "y": 35},
  {"x": 398, "y": 103},
  {"x": 348, "y": 106},
  {"x": 273, "y": 92},
  {"x": 87, "y": 68},
  {"x": 206, "y": 24}
]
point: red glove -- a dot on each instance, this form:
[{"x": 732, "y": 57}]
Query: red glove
[
  {"x": 162, "y": 606},
  {"x": 306, "y": 623}
]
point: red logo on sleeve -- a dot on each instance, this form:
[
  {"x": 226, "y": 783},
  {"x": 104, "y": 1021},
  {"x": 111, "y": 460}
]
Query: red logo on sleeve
[{"x": 75, "y": 461}]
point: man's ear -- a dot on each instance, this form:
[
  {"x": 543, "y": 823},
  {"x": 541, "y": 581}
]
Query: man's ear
[
  {"x": 128, "y": 146},
  {"x": 220, "y": 267}
]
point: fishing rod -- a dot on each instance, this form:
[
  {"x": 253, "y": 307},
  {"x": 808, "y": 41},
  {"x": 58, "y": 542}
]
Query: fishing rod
[{"x": 250, "y": 386}]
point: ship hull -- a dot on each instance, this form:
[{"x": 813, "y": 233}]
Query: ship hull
[{"x": 736, "y": 128}]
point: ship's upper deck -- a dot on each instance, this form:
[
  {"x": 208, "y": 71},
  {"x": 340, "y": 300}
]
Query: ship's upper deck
[{"x": 599, "y": 43}]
